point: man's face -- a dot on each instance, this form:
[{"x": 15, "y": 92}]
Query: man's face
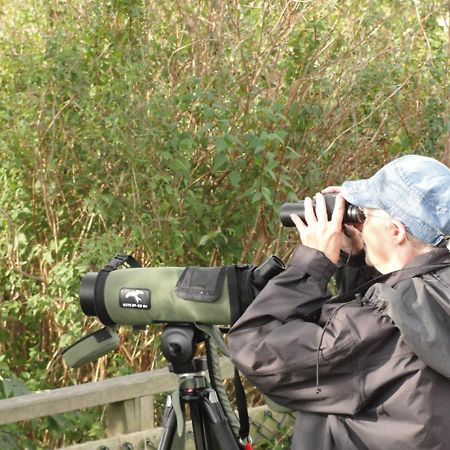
[{"x": 377, "y": 239}]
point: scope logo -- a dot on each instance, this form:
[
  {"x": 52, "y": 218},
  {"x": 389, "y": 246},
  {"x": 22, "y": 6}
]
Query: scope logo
[{"x": 134, "y": 298}]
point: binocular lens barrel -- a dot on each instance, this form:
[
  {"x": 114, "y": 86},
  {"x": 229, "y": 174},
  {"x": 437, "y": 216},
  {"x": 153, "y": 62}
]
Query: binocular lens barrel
[{"x": 352, "y": 214}]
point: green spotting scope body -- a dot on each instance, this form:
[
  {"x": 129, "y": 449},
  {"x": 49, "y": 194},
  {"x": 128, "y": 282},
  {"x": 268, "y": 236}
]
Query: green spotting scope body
[
  {"x": 139, "y": 296},
  {"x": 146, "y": 295}
]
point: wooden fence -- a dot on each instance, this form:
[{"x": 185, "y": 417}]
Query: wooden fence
[{"x": 130, "y": 409}]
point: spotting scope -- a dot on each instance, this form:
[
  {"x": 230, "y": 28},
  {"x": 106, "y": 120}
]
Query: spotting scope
[{"x": 140, "y": 296}]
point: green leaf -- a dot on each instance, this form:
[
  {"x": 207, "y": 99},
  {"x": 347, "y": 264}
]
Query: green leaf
[
  {"x": 257, "y": 196},
  {"x": 207, "y": 238},
  {"x": 235, "y": 178},
  {"x": 220, "y": 160},
  {"x": 267, "y": 194},
  {"x": 221, "y": 145}
]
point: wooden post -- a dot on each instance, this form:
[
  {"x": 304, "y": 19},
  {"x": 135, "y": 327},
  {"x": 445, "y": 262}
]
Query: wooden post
[{"x": 129, "y": 416}]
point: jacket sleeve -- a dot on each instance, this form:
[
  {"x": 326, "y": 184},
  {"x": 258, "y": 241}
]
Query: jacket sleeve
[{"x": 277, "y": 348}]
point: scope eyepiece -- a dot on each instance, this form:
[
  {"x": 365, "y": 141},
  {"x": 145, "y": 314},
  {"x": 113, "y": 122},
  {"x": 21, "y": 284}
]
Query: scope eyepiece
[{"x": 266, "y": 271}]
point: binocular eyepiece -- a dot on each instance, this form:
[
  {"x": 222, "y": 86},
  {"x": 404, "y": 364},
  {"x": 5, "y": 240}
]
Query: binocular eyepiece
[{"x": 352, "y": 214}]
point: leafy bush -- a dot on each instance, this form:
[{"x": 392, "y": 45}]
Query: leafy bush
[{"x": 175, "y": 130}]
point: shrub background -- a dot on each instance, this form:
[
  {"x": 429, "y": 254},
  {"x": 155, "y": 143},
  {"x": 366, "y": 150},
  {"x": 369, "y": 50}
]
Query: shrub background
[{"x": 174, "y": 130}]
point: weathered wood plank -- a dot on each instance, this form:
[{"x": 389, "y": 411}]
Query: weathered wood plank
[{"x": 89, "y": 395}]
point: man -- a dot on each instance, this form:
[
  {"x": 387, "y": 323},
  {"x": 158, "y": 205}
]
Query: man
[{"x": 368, "y": 369}]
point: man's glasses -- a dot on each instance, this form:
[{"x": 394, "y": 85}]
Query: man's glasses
[{"x": 363, "y": 215}]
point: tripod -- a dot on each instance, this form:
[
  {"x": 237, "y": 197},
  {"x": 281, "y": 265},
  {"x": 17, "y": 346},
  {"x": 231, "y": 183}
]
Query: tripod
[{"x": 209, "y": 423}]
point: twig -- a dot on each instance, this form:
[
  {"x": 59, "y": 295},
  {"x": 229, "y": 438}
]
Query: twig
[{"x": 364, "y": 119}]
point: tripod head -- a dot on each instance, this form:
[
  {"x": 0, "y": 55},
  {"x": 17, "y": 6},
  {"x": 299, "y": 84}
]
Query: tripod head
[
  {"x": 179, "y": 344},
  {"x": 212, "y": 430}
]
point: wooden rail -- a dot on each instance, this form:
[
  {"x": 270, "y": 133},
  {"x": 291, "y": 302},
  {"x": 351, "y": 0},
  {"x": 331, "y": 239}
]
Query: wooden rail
[
  {"x": 129, "y": 414},
  {"x": 88, "y": 395}
]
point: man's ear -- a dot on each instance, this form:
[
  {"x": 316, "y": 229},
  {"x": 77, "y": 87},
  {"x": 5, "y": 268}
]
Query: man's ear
[{"x": 398, "y": 230}]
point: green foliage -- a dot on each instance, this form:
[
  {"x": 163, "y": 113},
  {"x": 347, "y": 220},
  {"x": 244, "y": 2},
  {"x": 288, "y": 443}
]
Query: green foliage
[{"x": 174, "y": 131}]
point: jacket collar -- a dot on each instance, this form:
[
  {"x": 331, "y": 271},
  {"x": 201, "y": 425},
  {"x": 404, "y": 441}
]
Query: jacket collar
[{"x": 434, "y": 260}]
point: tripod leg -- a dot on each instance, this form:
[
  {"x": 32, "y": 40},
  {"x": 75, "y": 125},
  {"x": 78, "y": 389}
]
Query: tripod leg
[
  {"x": 218, "y": 422},
  {"x": 198, "y": 426},
  {"x": 169, "y": 439}
]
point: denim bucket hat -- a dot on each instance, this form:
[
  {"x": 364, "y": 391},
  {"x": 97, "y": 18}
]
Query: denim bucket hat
[{"x": 412, "y": 189}]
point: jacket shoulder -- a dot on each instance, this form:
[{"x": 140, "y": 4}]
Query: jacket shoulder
[{"x": 420, "y": 308}]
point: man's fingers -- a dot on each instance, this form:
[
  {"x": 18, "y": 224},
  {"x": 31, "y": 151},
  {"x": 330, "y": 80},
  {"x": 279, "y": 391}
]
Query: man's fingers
[
  {"x": 331, "y": 190},
  {"x": 310, "y": 217},
  {"x": 351, "y": 231},
  {"x": 339, "y": 210},
  {"x": 298, "y": 222},
  {"x": 321, "y": 208},
  {"x": 356, "y": 238}
]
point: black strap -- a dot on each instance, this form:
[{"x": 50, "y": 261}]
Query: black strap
[
  {"x": 99, "y": 305},
  {"x": 120, "y": 260},
  {"x": 241, "y": 403},
  {"x": 410, "y": 272},
  {"x": 233, "y": 294},
  {"x": 361, "y": 290},
  {"x": 235, "y": 309}
]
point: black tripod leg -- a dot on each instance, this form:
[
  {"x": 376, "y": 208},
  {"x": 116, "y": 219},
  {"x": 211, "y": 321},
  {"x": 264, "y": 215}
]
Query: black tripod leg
[
  {"x": 199, "y": 427},
  {"x": 169, "y": 425},
  {"x": 219, "y": 426}
]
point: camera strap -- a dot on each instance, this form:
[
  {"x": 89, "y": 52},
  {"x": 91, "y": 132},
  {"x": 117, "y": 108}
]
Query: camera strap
[
  {"x": 241, "y": 403},
  {"x": 233, "y": 293},
  {"x": 239, "y": 424},
  {"x": 391, "y": 279},
  {"x": 120, "y": 260}
]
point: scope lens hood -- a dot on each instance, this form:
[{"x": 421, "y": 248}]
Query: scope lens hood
[{"x": 87, "y": 293}]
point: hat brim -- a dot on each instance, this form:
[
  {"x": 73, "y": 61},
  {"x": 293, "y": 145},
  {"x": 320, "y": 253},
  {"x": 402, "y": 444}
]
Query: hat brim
[{"x": 361, "y": 193}]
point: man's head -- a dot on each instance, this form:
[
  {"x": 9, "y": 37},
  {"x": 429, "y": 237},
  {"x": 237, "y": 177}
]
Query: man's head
[{"x": 407, "y": 204}]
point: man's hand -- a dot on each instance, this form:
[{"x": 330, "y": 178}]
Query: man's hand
[
  {"x": 319, "y": 232},
  {"x": 352, "y": 241}
]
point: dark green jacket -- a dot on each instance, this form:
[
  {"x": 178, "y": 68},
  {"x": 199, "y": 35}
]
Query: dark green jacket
[{"x": 356, "y": 380}]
